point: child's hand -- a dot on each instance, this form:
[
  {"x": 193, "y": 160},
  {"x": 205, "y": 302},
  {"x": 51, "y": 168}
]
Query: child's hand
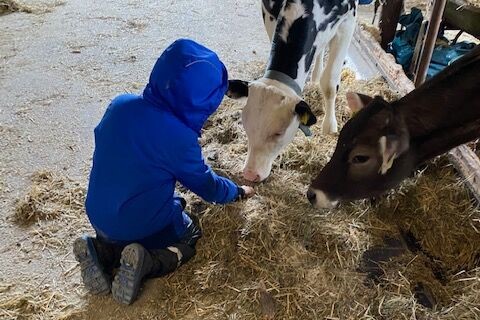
[{"x": 248, "y": 191}]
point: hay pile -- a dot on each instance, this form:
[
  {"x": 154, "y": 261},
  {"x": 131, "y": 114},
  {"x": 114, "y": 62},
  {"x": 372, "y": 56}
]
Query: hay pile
[
  {"x": 53, "y": 211},
  {"x": 39, "y": 7},
  {"x": 275, "y": 257},
  {"x": 49, "y": 198},
  {"x": 372, "y": 29},
  {"x": 52, "y": 216},
  {"x": 475, "y": 3},
  {"x": 9, "y": 6},
  {"x": 420, "y": 4},
  {"x": 33, "y": 302}
]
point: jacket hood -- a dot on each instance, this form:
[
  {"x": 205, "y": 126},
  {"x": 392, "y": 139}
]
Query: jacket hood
[{"x": 189, "y": 80}]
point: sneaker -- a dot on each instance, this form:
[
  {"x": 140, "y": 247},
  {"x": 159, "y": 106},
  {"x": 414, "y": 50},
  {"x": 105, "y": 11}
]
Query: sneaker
[
  {"x": 135, "y": 263},
  {"x": 94, "y": 278}
]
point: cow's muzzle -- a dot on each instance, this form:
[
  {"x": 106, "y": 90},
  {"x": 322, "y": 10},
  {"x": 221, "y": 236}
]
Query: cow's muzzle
[{"x": 319, "y": 199}]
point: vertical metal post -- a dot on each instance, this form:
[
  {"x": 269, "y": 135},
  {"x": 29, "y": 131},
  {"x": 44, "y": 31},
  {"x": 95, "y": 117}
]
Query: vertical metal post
[
  {"x": 391, "y": 10},
  {"x": 418, "y": 48},
  {"x": 430, "y": 39}
]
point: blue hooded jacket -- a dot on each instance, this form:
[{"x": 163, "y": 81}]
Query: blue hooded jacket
[{"x": 145, "y": 144}]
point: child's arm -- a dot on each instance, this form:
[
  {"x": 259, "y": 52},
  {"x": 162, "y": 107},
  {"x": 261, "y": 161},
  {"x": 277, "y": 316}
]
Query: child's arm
[{"x": 191, "y": 171}]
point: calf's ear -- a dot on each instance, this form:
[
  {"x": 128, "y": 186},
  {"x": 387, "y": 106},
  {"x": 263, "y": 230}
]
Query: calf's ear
[
  {"x": 237, "y": 89},
  {"x": 391, "y": 147},
  {"x": 305, "y": 114},
  {"x": 357, "y": 101}
]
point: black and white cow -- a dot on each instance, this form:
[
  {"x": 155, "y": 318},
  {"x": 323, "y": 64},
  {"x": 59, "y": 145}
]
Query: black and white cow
[{"x": 300, "y": 31}]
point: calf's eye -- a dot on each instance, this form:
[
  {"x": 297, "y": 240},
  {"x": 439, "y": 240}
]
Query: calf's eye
[
  {"x": 360, "y": 159},
  {"x": 276, "y": 135}
]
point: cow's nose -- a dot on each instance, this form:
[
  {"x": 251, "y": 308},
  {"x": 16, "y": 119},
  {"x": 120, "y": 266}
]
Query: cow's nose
[
  {"x": 311, "y": 196},
  {"x": 251, "y": 175}
]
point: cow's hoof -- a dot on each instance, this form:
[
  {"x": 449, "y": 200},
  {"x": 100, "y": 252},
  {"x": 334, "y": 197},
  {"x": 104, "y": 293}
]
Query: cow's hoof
[{"x": 329, "y": 126}]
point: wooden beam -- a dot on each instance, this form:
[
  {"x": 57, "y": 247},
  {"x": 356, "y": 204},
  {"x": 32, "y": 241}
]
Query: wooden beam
[
  {"x": 468, "y": 165},
  {"x": 389, "y": 16},
  {"x": 385, "y": 63}
]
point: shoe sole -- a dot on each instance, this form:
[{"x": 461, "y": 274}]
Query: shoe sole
[
  {"x": 94, "y": 279},
  {"x": 127, "y": 282}
]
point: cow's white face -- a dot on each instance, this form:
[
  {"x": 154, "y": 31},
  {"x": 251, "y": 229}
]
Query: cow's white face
[
  {"x": 271, "y": 123},
  {"x": 271, "y": 118}
]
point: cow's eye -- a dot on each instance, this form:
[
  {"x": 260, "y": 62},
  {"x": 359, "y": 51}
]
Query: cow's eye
[
  {"x": 276, "y": 135},
  {"x": 360, "y": 159}
]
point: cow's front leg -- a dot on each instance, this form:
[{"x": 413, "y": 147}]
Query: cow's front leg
[
  {"x": 330, "y": 78},
  {"x": 318, "y": 68}
]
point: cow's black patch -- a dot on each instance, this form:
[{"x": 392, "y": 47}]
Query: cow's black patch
[
  {"x": 285, "y": 56},
  {"x": 352, "y": 4},
  {"x": 263, "y": 16},
  {"x": 274, "y": 10},
  {"x": 338, "y": 87},
  {"x": 272, "y": 18},
  {"x": 334, "y": 9},
  {"x": 332, "y": 21},
  {"x": 237, "y": 89}
]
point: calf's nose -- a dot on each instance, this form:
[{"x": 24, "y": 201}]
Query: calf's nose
[
  {"x": 311, "y": 196},
  {"x": 251, "y": 175}
]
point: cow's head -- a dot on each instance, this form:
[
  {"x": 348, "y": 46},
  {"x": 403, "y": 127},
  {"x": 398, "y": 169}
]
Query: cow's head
[
  {"x": 372, "y": 154},
  {"x": 271, "y": 117}
]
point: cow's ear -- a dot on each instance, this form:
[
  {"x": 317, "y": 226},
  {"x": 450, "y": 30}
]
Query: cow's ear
[
  {"x": 305, "y": 114},
  {"x": 391, "y": 147},
  {"x": 237, "y": 89},
  {"x": 357, "y": 101}
]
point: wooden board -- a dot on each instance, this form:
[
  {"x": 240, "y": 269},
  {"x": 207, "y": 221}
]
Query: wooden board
[
  {"x": 385, "y": 63},
  {"x": 463, "y": 158}
]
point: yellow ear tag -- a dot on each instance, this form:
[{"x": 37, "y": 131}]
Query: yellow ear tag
[{"x": 304, "y": 119}]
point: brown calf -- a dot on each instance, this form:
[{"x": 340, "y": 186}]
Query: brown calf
[{"x": 384, "y": 142}]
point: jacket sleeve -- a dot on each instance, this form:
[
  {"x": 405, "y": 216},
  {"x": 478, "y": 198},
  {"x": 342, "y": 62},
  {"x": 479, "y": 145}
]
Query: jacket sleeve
[{"x": 193, "y": 173}]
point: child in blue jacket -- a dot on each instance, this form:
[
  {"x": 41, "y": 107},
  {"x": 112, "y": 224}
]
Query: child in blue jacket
[{"x": 143, "y": 145}]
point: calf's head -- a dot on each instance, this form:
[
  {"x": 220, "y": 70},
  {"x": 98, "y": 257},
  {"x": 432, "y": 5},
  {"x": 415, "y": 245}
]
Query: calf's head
[
  {"x": 372, "y": 154},
  {"x": 271, "y": 117}
]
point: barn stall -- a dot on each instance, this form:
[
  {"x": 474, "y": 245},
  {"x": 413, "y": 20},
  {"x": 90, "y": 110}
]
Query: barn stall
[{"x": 411, "y": 254}]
